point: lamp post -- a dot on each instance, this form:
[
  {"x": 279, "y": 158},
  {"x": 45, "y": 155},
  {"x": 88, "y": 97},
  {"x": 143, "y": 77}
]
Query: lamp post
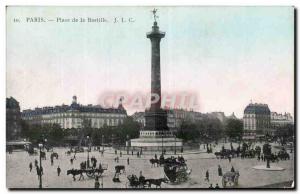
[
  {"x": 127, "y": 143},
  {"x": 175, "y": 145},
  {"x": 88, "y": 155},
  {"x": 102, "y": 141},
  {"x": 40, "y": 170}
]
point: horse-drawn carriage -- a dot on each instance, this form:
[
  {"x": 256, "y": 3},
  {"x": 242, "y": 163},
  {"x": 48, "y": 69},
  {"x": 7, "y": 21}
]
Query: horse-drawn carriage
[
  {"x": 175, "y": 171},
  {"x": 230, "y": 179},
  {"x": 141, "y": 182},
  {"x": 90, "y": 172},
  {"x": 135, "y": 182}
]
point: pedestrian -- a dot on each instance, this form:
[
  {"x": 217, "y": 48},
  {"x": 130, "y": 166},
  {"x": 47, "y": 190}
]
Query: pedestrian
[
  {"x": 100, "y": 166},
  {"x": 155, "y": 156},
  {"x": 120, "y": 153},
  {"x": 51, "y": 161},
  {"x": 74, "y": 157},
  {"x": 207, "y": 176},
  {"x": 30, "y": 166},
  {"x": 42, "y": 170},
  {"x": 97, "y": 184},
  {"x": 116, "y": 152},
  {"x": 258, "y": 157},
  {"x": 127, "y": 161},
  {"x": 229, "y": 158},
  {"x": 58, "y": 171},
  {"x": 35, "y": 163},
  {"x": 217, "y": 186},
  {"x": 71, "y": 160},
  {"x": 38, "y": 172},
  {"x": 232, "y": 169},
  {"x": 211, "y": 186},
  {"x": 220, "y": 173},
  {"x": 132, "y": 152},
  {"x": 138, "y": 154}
]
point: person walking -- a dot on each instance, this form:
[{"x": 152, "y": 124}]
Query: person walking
[
  {"x": 58, "y": 171},
  {"x": 30, "y": 166},
  {"x": 120, "y": 154},
  {"x": 97, "y": 184},
  {"x": 132, "y": 152},
  {"x": 42, "y": 170},
  {"x": 127, "y": 161},
  {"x": 71, "y": 160},
  {"x": 35, "y": 163},
  {"x": 207, "y": 176},
  {"x": 232, "y": 169},
  {"x": 220, "y": 173},
  {"x": 51, "y": 161}
]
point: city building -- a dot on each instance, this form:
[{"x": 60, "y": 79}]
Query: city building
[
  {"x": 256, "y": 121},
  {"x": 281, "y": 120},
  {"x": 73, "y": 116},
  {"x": 13, "y": 119}
]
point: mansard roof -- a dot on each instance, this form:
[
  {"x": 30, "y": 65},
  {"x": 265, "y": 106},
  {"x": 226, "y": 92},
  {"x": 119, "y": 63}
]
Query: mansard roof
[
  {"x": 257, "y": 109},
  {"x": 74, "y": 107}
]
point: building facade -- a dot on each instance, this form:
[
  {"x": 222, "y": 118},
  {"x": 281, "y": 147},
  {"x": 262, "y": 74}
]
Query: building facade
[
  {"x": 281, "y": 120},
  {"x": 74, "y": 115},
  {"x": 256, "y": 120},
  {"x": 13, "y": 119}
]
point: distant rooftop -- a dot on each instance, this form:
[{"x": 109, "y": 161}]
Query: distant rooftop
[
  {"x": 73, "y": 107},
  {"x": 257, "y": 108}
]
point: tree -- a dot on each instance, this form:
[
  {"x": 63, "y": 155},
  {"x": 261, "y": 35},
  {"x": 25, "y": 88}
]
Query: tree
[
  {"x": 55, "y": 134},
  {"x": 234, "y": 129}
]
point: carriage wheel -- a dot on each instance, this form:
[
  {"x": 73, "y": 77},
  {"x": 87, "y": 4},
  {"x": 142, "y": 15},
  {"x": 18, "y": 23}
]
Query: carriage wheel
[{"x": 90, "y": 174}]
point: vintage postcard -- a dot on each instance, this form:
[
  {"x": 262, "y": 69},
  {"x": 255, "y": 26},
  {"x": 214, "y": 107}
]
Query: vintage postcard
[{"x": 150, "y": 97}]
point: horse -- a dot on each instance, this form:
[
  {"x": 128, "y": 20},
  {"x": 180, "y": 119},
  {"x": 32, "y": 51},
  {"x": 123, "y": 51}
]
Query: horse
[
  {"x": 156, "y": 182},
  {"x": 153, "y": 162},
  {"x": 75, "y": 172},
  {"x": 118, "y": 168},
  {"x": 54, "y": 154}
]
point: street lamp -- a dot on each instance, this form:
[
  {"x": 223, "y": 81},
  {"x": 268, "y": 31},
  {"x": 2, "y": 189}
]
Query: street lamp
[
  {"x": 175, "y": 145},
  {"x": 88, "y": 155},
  {"x": 102, "y": 142},
  {"x": 40, "y": 170},
  {"x": 127, "y": 143}
]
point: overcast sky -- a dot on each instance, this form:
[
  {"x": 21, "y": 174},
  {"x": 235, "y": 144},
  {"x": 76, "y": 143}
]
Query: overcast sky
[{"x": 226, "y": 55}]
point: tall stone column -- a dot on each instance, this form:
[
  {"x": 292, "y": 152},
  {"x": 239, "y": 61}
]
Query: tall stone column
[
  {"x": 155, "y": 36},
  {"x": 156, "y": 118}
]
